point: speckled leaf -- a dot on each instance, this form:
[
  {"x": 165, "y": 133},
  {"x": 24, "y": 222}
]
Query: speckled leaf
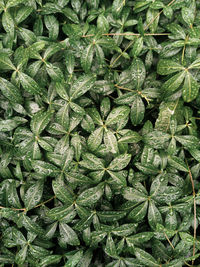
[
  {"x": 188, "y": 15},
  {"x": 156, "y": 139},
  {"x": 166, "y": 66},
  {"x": 111, "y": 142},
  {"x": 190, "y": 88},
  {"x": 21, "y": 255},
  {"x": 110, "y": 216},
  {"x": 81, "y": 86},
  {"x": 177, "y": 163},
  {"x": 91, "y": 162},
  {"x": 174, "y": 82},
  {"x": 154, "y": 216},
  {"x": 147, "y": 168},
  {"x": 117, "y": 7},
  {"x": 95, "y": 139},
  {"x": 33, "y": 195},
  {"x": 134, "y": 195},
  {"x": 118, "y": 177},
  {"x": 78, "y": 178},
  {"x": 130, "y": 137},
  {"x": 6, "y": 63},
  {"x": 44, "y": 168},
  {"x": 110, "y": 248},
  {"x": 12, "y": 196},
  {"x": 138, "y": 72},
  {"x": 52, "y": 259},
  {"x": 10, "y": 91},
  {"x": 12, "y": 3},
  {"x": 137, "y": 111},
  {"x": 58, "y": 213},
  {"x": 87, "y": 57},
  {"x": 139, "y": 238},
  {"x": 117, "y": 114},
  {"x": 54, "y": 72},
  {"x": 90, "y": 196},
  {"x": 68, "y": 235},
  {"x": 73, "y": 260},
  {"x": 120, "y": 162},
  {"x": 29, "y": 84},
  {"x": 62, "y": 192},
  {"x": 188, "y": 141},
  {"x": 32, "y": 226},
  {"x": 39, "y": 121},
  {"x": 145, "y": 258}
]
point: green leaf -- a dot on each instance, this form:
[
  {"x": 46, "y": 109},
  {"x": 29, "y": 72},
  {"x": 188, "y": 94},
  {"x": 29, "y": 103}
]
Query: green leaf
[
  {"x": 124, "y": 229},
  {"x": 54, "y": 72},
  {"x": 8, "y": 23},
  {"x": 156, "y": 139},
  {"x": 174, "y": 82},
  {"x": 52, "y": 25},
  {"x": 138, "y": 72},
  {"x": 120, "y": 162},
  {"x": 188, "y": 141},
  {"x": 21, "y": 255},
  {"x": 147, "y": 168},
  {"x": 78, "y": 178},
  {"x": 62, "y": 192},
  {"x": 137, "y": 47},
  {"x": 12, "y": 3},
  {"x": 154, "y": 216},
  {"x": 32, "y": 226},
  {"x": 95, "y": 139},
  {"x": 110, "y": 216},
  {"x": 117, "y": 7},
  {"x": 166, "y": 66},
  {"x": 13, "y": 198},
  {"x": 177, "y": 163},
  {"x": 10, "y": 91},
  {"x": 129, "y": 137},
  {"x": 145, "y": 258},
  {"x": 72, "y": 262},
  {"x": 9, "y": 125},
  {"x": 177, "y": 30},
  {"x": 70, "y": 14},
  {"x": 188, "y": 15},
  {"x": 190, "y": 88},
  {"x": 134, "y": 195},
  {"x": 6, "y": 63},
  {"x": 59, "y": 212},
  {"x": 140, "y": 238},
  {"x": 52, "y": 259},
  {"x": 40, "y": 121},
  {"x": 117, "y": 114},
  {"x": 87, "y": 57},
  {"x": 110, "y": 248},
  {"x": 137, "y": 111},
  {"x": 110, "y": 141},
  {"x": 90, "y": 196},
  {"x": 91, "y": 162},
  {"x": 33, "y": 195},
  {"x": 117, "y": 177},
  {"x": 44, "y": 168},
  {"x": 68, "y": 235},
  {"x": 23, "y": 13},
  {"x": 29, "y": 84},
  {"x": 81, "y": 86}
]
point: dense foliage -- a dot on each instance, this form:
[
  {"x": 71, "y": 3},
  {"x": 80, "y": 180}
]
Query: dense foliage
[{"x": 99, "y": 133}]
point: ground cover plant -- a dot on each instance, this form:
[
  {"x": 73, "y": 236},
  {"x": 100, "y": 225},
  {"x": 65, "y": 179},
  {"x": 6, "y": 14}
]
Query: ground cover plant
[{"x": 99, "y": 133}]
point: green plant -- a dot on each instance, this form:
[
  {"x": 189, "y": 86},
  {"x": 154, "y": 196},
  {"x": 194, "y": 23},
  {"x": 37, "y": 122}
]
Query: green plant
[{"x": 99, "y": 133}]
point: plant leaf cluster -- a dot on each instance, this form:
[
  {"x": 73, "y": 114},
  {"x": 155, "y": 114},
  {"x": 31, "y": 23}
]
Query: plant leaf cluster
[{"x": 99, "y": 133}]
